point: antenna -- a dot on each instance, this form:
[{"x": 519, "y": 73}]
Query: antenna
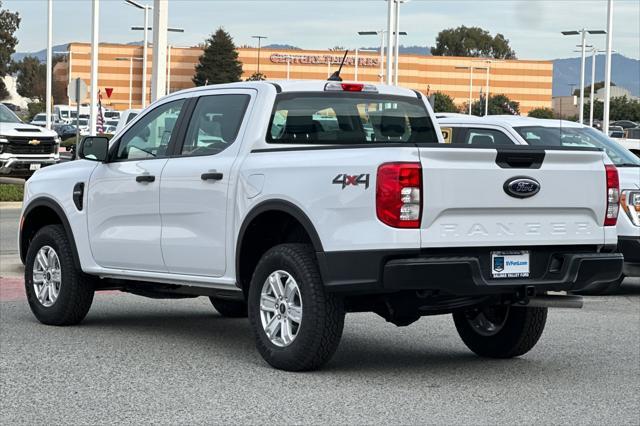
[{"x": 336, "y": 75}]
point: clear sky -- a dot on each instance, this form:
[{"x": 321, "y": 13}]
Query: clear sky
[{"x": 532, "y": 26}]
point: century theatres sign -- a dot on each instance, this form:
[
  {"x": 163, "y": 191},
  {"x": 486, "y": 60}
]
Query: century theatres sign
[{"x": 283, "y": 58}]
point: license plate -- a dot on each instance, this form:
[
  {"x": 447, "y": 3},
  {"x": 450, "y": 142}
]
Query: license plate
[
  {"x": 510, "y": 264},
  {"x": 34, "y": 166}
]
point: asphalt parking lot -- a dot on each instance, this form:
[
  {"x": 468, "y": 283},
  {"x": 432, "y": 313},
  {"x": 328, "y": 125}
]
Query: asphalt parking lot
[{"x": 137, "y": 360}]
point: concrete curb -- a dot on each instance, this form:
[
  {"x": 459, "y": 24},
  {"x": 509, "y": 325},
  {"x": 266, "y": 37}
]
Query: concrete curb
[{"x": 10, "y": 205}]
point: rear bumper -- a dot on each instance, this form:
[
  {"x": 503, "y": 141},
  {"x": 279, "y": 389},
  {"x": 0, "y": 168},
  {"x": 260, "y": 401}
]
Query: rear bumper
[
  {"x": 465, "y": 272},
  {"x": 630, "y": 249}
]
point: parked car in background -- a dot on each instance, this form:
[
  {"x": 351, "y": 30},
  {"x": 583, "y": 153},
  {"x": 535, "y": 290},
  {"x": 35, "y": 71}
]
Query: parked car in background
[
  {"x": 109, "y": 130},
  {"x": 616, "y": 132},
  {"x": 65, "y": 131},
  {"x": 25, "y": 148},
  {"x": 501, "y": 130},
  {"x": 625, "y": 124},
  {"x": 112, "y": 115},
  {"x": 40, "y": 119}
]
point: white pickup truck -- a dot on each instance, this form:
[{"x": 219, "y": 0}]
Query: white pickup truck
[
  {"x": 25, "y": 148},
  {"x": 295, "y": 202}
]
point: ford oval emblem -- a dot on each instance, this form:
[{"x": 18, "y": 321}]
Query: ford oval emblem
[{"x": 521, "y": 187}]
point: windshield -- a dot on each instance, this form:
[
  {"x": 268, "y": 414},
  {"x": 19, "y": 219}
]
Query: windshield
[
  {"x": 349, "y": 118},
  {"x": 7, "y": 116},
  {"x": 578, "y": 137}
]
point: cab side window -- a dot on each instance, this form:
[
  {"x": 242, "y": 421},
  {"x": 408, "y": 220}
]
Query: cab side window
[
  {"x": 214, "y": 124},
  {"x": 480, "y": 136},
  {"x": 149, "y": 138}
]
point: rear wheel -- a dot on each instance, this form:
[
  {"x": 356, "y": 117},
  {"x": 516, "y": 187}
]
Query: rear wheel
[
  {"x": 297, "y": 326},
  {"x": 500, "y": 331},
  {"x": 230, "y": 308},
  {"x": 58, "y": 293}
]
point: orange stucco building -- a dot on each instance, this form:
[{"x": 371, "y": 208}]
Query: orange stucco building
[{"x": 527, "y": 81}]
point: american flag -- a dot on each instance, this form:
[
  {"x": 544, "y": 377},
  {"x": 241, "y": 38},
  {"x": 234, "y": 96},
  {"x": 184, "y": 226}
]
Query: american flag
[
  {"x": 511, "y": 110},
  {"x": 100, "y": 118}
]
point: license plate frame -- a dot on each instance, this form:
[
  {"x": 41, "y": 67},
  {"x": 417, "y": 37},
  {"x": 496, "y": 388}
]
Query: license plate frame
[
  {"x": 510, "y": 264},
  {"x": 34, "y": 166}
]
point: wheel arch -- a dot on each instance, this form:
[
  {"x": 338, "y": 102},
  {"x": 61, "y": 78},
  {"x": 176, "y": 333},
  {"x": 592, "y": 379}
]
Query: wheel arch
[
  {"x": 278, "y": 210},
  {"x": 41, "y": 212}
]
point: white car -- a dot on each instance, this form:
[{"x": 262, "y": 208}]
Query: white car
[
  {"x": 296, "y": 221},
  {"x": 40, "y": 119},
  {"x": 513, "y": 130},
  {"x": 25, "y": 148},
  {"x": 125, "y": 118}
]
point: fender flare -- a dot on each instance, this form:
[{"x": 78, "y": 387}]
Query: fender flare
[
  {"x": 53, "y": 205},
  {"x": 281, "y": 206}
]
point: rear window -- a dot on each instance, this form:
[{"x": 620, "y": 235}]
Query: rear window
[
  {"x": 346, "y": 118},
  {"x": 577, "y": 137}
]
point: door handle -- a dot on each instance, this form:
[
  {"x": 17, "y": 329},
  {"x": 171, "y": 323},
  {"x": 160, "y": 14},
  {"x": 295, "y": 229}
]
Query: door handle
[
  {"x": 211, "y": 176},
  {"x": 145, "y": 178}
]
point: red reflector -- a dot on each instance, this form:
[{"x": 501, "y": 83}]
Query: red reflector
[
  {"x": 352, "y": 87},
  {"x": 399, "y": 194},
  {"x": 613, "y": 195}
]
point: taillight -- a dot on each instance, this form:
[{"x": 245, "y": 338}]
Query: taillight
[
  {"x": 613, "y": 195},
  {"x": 399, "y": 194}
]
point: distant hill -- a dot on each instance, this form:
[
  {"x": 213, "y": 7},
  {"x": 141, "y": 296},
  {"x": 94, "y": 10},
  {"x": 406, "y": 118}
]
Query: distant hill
[
  {"x": 40, "y": 54},
  {"x": 625, "y": 72}
]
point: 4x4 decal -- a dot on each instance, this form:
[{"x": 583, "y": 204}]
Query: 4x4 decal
[{"x": 355, "y": 180}]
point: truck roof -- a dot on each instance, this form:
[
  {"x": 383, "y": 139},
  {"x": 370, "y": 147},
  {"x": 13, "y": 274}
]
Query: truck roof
[
  {"x": 285, "y": 86},
  {"x": 503, "y": 120}
]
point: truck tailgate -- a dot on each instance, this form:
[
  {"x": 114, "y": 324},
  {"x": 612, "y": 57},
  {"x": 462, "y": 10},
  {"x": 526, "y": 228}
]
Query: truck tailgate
[{"x": 466, "y": 202}]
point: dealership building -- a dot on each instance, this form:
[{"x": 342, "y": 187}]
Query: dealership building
[{"x": 120, "y": 72}]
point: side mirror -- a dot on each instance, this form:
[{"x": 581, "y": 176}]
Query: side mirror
[{"x": 94, "y": 148}]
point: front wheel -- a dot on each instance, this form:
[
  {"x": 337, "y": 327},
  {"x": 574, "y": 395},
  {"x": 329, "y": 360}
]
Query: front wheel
[
  {"x": 500, "y": 331},
  {"x": 296, "y": 324},
  {"x": 58, "y": 293}
]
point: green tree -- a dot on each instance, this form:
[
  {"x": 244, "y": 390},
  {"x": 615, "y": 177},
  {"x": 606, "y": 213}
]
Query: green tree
[
  {"x": 472, "y": 41},
  {"x": 541, "y": 113},
  {"x": 9, "y": 23},
  {"x": 443, "y": 103},
  {"x": 620, "y": 108},
  {"x": 497, "y": 106},
  {"x": 257, "y": 76},
  {"x": 219, "y": 61},
  {"x": 32, "y": 80}
]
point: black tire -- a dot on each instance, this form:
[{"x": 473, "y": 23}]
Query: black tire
[
  {"x": 602, "y": 289},
  {"x": 322, "y": 321},
  {"x": 520, "y": 332},
  {"x": 230, "y": 308},
  {"x": 76, "y": 289}
]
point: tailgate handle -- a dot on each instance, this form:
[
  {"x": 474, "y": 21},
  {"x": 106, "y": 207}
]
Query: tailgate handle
[{"x": 513, "y": 159}]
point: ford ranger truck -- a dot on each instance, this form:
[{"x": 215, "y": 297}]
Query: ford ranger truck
[
  {"x": 25, "y": 148},
  {"x": 294, "y": 203}
]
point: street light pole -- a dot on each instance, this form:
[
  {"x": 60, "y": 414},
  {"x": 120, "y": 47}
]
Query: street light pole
[
  {"x": 607, "y": 68},
  {"x": 396, "y": 46},
  {"x": 259, "y": 37},
  {"x": 144, "y": 47},
  {"x": 583, "y": 33},
  {"x": 593, "y": 83},
  {"x": 49, "y": 62},
  {"x": 390, "y": 31},
  {"x": 93, "y": 116},
  {"x": 168, "y": 89}
]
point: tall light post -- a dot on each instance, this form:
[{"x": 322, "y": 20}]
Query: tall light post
[
  {"x": 259, "y": 37},
  {"x": 49, "y": 61},
  {"x": 583, "y": 33},
  {"x": 396, "y": 47},
  {"x": 471, "y": 68},
  {"x": 607, "y": 68},
  {"x": 488, "y": 63},
  {"x": 144, "y": 67},
  {"x": 390, "y": 31},
  {"x": 358, "y": 50},
  {"x": 93, "y": 108},
  {"x": 381, "y": 33},
  {"x": 130, "y": 59},
  {"x": 146, "y": 9}
]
